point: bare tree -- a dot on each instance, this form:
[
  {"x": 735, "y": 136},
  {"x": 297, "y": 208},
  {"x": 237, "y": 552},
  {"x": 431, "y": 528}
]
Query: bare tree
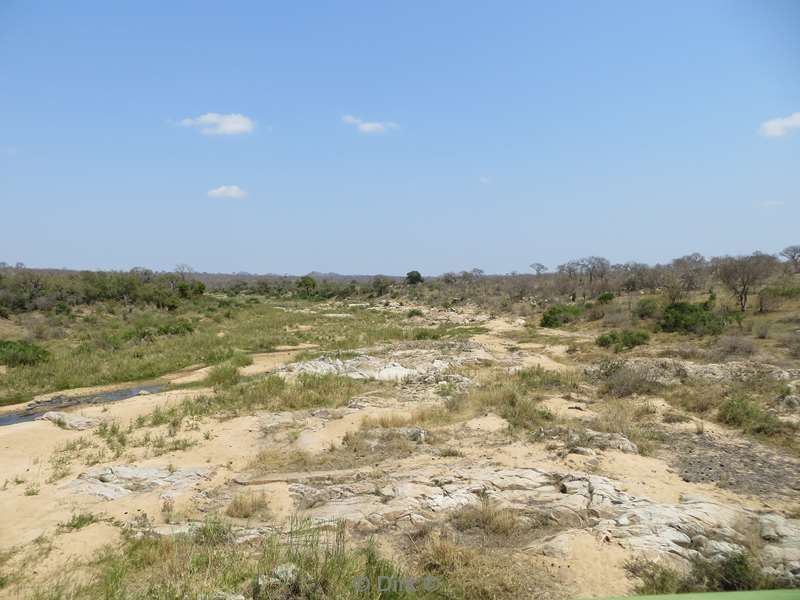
[
  {"x": 741, "y": 274},
  {"x": 690, "y": 270},
  {"x": 538, "y": 268},
  {"x": 792, "y": 254},
  {"x": 183, "y": 270}
]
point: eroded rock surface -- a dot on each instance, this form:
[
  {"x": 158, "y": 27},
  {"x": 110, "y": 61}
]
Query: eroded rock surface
[
  {"x": 412, "y": 365},
  {"x": 118, "y": 481},
  {"x": 670, "y": 371},
  {"x": 69, "y": 420},
  {"x": 678, "y": 532}
]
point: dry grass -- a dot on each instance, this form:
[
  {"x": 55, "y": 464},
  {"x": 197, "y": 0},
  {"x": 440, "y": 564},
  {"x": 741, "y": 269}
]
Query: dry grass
[
  {"x": 357, "y": 449},
  {"x": 488, "y": 517},
  {"x": 479, "y": 574},
  {"x": 631, "y": 419},
  {"x": 247, "y": 505}
]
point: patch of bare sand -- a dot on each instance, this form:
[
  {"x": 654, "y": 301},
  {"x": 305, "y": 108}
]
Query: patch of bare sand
[
  {"x": 590, "y": 568},
  {"x": 496, "y": 342},
  {"x": 568, "y": 409}
]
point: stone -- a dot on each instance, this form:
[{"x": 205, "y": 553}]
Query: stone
[
  {"x": 414, "y": 434},
  {"x": 119, "y": 481},
  {"x": 69, "y": 420},
  {"x": 582, "y": 451}
]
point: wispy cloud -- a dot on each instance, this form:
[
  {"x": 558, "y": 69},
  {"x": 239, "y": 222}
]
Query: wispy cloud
[
  {"x": 771, "y": 204},
  {"x": 780, "y": 126},
  {"x": 369, "y": 126},
  {"x": 217, "y": 124},
  {"x": 227, "y": 191},
  {"x": 484, "y": 180}
]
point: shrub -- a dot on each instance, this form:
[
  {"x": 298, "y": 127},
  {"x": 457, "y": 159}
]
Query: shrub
[
  {"x": 735, "y": 345},
  {"x": 792, "y": 343},
  {"x": 732, "y": 573},
  {"x": 647, "y": 308},
  {"x": 605, "y": 298},
  {"x": 744, "y": 413},
  {"x": 623, "y": 380},
  {"x": 16, "y": 353},
  {"x": 560, "y": 314},
  {"x": 223, "y": 375},
  {"x": 414, "y": 312},
  {"x": 623, "y": 340},
  {"x": 692, "y": 318}
]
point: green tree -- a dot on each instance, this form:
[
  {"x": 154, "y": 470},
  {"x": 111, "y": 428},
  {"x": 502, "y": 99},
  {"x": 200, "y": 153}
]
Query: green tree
[
  {"x": 413, "y": 278},
  {"x": 306, "y": 285}
]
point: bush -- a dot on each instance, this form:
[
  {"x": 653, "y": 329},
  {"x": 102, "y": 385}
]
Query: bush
[
  {"x": 692, "y": 318},
  {"x": 14, "y": 354},
  {"x": 792, "y": 343},
  {"x": 624, "y": 380},
  {"x": 623, "y": 340},
  {"x": 560, "y": 314},
  {"x": 223, "y": 375},
  {"x": 605, "y": 298},
  {"x": 744, "y": 413},
  {"x": 735, "y": 572},
  {"x": 735, "y": 345},
  {"x": 414, "y": 312},
  {"x": 647, "y": 308}
]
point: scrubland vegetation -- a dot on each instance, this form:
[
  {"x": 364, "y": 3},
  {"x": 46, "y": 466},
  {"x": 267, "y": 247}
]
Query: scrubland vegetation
[{"x": 615, "y": 346}]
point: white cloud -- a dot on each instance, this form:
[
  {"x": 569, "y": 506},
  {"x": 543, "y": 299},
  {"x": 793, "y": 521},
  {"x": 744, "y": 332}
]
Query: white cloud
[
  {"x": 227, "y": 191},
  {"x": 771, "y": 204},
  {"x": 484, "y": 180},
  {"x": 780, "y": 126},
  {"x": 369, "y": 126},
  {"x": 217, "y": 124}
]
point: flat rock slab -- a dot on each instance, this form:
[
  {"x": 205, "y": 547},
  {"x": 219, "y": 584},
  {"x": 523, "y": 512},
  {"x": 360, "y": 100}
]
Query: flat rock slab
[
  {"x": 69, "y": 420},
  {"x": 119, "y": 481}
]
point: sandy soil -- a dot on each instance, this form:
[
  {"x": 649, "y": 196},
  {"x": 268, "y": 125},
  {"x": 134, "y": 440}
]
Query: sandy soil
[{"x": 225, "y": 450}]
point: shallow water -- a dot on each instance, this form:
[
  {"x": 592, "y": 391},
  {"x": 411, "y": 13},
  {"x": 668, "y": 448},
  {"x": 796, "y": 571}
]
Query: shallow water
[{"x": 36, "y": 409}]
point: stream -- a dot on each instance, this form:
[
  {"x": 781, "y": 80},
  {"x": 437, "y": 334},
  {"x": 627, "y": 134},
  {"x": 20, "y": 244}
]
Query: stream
[{"x": 35, "y": 409}]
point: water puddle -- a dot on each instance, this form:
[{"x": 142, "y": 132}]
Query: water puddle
[{"x": 60, "y": 402}]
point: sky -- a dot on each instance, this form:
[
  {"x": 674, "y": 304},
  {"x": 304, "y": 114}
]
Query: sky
[{"x": 379, "y": 137}]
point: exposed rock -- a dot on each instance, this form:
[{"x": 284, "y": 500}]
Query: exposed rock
[
  {"x": 219, "y": 595},
  {"x": 679, "y": 532},
  {"x": 604, "y": 441},
  {"x": 118, "y": 481},
  {"x": 668, "y": 371},
  {"x": 583, "y": 451},
  {"x": 69, "y": 420},
  {"x": 415, "y": 365}
]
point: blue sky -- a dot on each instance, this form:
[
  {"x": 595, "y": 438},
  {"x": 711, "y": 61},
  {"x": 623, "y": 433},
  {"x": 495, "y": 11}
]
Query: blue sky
[{"x": 366, "y": 137}]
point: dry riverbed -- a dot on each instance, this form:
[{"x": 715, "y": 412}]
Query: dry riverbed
[{"x": 427, "y": 450}]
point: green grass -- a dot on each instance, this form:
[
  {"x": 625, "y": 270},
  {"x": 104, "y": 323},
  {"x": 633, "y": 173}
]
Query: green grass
[
  {"x": 78, "y": 521},
  {"x": 515, "y": 397},
  {"x": 107, "y": 344},
  {"x": 737, "y": 572},
  {"x": 208, "y": 561}
]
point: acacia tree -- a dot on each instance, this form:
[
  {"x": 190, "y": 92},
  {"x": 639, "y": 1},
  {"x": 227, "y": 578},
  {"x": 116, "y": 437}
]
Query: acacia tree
[
  {"x": 792, "y": 254},
  {"x": 538, "y": 268},
  {"x": 741, "y": 274}
]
